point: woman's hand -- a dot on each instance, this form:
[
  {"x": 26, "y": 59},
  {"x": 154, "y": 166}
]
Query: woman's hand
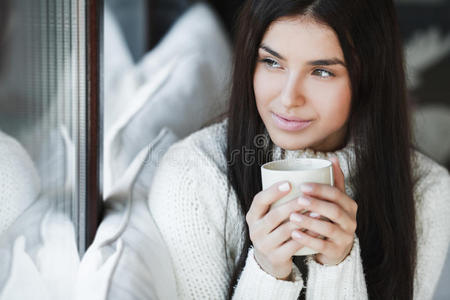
[
  {"x": 270, "y": 231},
  {"x": 334, "y": 204}
]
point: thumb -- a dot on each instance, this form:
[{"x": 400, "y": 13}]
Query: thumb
[{"x": 338, "y": 175}]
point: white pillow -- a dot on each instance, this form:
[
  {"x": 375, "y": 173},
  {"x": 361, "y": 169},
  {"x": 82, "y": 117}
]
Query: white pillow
[
  {"x": 117, "y": 61},
  {"x": 182, "y": 84},
  {"x": 129, "y": 259},
  {"x": 145, "y": 269}
]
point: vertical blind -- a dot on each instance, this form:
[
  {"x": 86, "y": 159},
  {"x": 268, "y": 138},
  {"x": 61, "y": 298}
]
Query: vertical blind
[{"x": 50, "y": 101}]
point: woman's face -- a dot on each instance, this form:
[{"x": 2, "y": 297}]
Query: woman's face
[{"x": 301, "y": 75}]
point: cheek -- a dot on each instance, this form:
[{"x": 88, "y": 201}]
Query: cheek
[
  {"x": 333, "y": 103},
  {"x": 266, "y": 87}
]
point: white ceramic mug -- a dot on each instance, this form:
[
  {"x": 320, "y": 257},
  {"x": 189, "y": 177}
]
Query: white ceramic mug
[{"x": 297, "y": 171}]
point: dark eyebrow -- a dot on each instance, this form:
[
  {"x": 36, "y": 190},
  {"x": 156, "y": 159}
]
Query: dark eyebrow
[
  {"x": 326, "y": 62},
  {"x": 320, "y": 62},
  {"x": 273, "y": 52}
]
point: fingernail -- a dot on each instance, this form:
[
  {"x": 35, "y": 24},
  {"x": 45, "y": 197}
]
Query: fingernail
[
  {"x": 303, "y": 201},
  {"x": 306, "y": 188},
  {"x": 297, "y": 234},
  {"x": 296, "y": 218},
  {"x": 284, "y": 187},
  {"x": 314, "y": 215}
]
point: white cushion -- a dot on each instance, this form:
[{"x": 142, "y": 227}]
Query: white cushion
[
  {"x": 129, "y": 259},
  {"x": 177, "y": 88},
  {"x": 117, "y": 60},
  {"x": 145, "y": 268},
  {"x": 182, "y": 84}
]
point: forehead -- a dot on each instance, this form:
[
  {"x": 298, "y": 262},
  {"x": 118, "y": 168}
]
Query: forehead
[{"x": 315, "y": 40}]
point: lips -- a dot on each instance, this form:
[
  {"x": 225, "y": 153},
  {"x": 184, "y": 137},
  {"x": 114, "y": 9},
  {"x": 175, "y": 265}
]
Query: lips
[
  {"x": 290, "y": 123},
  {"x": 289, "y": 118}
]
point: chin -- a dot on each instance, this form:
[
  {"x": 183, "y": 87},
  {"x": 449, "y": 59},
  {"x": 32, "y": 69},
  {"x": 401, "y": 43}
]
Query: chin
[
  {"x": 286, "y": 141},
  {"x": 291, "y": 146}
]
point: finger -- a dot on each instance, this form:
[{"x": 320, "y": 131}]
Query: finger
[
  {"x": 315, "y": 216},
  {"x": 310, "y": 232},
  {"x": 338, "y": 175},
  {"x": 323, "y": 228},
  {"x": 280, "y": 235},
  {"x": 329, "y": 193},
  {"x": 289, "y": 248},
  {"x": 276, "y": 216},
  {"x": 322, "y": 246},
  {"x": 262, "y": 201},
  {"x": 328, "y": 210}
]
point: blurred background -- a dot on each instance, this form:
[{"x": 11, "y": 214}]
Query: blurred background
[{"x": 92, "y": 93}]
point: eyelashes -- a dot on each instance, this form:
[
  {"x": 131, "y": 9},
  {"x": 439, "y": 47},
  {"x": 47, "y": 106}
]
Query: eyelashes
[
  {"x": 322, "y": 71},
  {"x": 270, "y": 63},
  {"x": 273, "y": 64}
]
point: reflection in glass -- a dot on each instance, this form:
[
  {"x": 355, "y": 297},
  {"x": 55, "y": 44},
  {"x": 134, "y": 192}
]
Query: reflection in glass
[{"x": 43, "y": 147}]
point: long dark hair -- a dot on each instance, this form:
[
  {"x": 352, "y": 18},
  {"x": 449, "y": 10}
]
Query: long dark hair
[{"x": 378, "y": 124}]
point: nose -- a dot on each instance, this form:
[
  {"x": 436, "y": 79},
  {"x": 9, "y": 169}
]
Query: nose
[{"x": 292, "y": 93}]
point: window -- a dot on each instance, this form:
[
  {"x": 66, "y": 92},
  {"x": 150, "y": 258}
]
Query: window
[{"x": 50, "y": 102}]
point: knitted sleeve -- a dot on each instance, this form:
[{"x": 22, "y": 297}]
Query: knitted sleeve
[
  {"x": 433, "y": 227},
  {"x": 188, "y": 203},
  {"x": 343, "y": 281},
  {"x": 432, "y": 199},
  {"x": 19, "y": 181}
]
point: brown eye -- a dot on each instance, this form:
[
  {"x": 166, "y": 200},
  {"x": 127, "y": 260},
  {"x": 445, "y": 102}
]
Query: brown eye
[
  {"x": 270, "y": 63},
  {"x": 323, "y": 73}
]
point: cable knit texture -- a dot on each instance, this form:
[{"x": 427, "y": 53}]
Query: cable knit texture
[
  {"x": 19, "y": 181},
  {"x": 189, "y": 200}
]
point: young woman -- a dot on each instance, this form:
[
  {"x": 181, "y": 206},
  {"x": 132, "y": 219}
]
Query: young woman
[{"x": 312, "y": 78}]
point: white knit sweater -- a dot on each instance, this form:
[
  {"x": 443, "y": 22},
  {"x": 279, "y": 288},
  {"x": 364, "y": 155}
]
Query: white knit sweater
[{"x": 188, "y": 201}]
